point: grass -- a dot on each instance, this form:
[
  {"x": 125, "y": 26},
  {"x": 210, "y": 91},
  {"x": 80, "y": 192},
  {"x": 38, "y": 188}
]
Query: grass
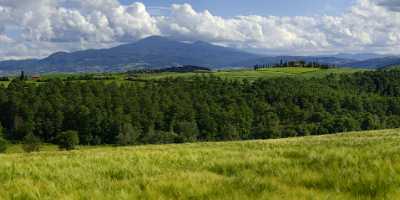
[
  {"x": 17, "y": 148},
  {"x": 291, "y": 70},
  {"x": 364, "y": 165},
  {"x": 240, "y": 74},
  {"x": 264, "y": 73}
]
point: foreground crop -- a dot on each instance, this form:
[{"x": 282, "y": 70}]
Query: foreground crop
[{"x": 362, "y": 165}]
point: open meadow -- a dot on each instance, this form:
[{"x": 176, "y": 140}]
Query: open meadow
[
  {"x": 249, "y": 74},
  {"x": 359, "y": 165},
  {"x": 236, "y": 74}
]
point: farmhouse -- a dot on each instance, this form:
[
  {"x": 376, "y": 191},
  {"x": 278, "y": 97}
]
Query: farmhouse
[{"x": 35, "y": 77}]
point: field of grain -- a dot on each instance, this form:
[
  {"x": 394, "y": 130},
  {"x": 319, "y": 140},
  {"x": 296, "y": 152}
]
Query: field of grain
[{"x": 363, "y": 165}]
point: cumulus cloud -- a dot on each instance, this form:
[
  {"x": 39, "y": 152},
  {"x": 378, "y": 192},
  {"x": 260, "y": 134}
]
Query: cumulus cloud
[
  {"x": 245, "y": 31},
  {"x": 76, "y": 20},
  {"x": 53, "y": 25},
  {"x": 389, "y": 4},
  {"x": 367, "y": 26},
  {"x": 5, "y": 39}
]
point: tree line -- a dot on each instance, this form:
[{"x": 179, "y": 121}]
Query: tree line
[
  {"x": 300, "y": 63},
  {"x": 202, "y": 108}
]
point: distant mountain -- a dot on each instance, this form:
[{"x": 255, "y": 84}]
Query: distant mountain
[
  {"x": 359, "y": 56},
  {"x": 341, "y": 61},
  {"x": 277, "y": 59},
  {"x": 159, "y": 52},
  {"x": 392, "y": 67},
  {"x": 376, "y": 62},
  {"x": 152, "y": 52}
]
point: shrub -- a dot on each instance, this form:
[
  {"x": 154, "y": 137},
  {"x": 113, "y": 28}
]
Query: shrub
[
  {"x": 128, "y": 135},
  {"x": 31, "y": 143},
  {"x": 68, "y": 140},
  {"x": 3, "y": 145},
  {"x": 187, "y": 131},
  {"x": 160, "y": 137}
]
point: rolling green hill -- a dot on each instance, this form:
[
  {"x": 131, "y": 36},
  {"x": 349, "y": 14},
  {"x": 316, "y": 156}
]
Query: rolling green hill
[
  {"x": 363, "y": 165},
  {"x": 265, "y": 73},
  {"x": 244, "y": 74}
]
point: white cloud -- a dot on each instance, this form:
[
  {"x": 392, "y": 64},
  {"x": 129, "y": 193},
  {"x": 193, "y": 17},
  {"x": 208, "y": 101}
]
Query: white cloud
[
  {"x": 368, "y": 26},
  {"x": 76, "y": 20},
  {"x": 5, "y": 39},
  {"x": 389, "y": 4},
  {"x": 53, "y": 25}
]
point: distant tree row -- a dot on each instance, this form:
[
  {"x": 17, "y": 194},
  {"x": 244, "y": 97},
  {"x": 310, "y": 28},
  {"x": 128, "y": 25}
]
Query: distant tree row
[
  {"x": 4, "y": 78},
  {"x": 294, "y": 64},
  {"x": 182, "y": 69},
  {"x": 87, "y": 77},
  {"x": 196, "y": 109}
]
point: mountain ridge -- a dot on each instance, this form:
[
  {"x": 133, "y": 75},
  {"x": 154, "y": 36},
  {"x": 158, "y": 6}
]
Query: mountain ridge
[
  {"x": 151, "y": 52},
  {"x": 157, "y": 52}
]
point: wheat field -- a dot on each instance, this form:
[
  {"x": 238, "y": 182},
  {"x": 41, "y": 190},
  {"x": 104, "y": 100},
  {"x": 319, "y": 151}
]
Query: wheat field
[{"x": 363, "y": 165}]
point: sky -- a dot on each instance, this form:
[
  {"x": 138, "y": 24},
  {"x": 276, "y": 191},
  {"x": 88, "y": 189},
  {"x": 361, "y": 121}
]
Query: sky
[
  {"x": 257, "y": 7},
  {"x": 38, "y": 28}
]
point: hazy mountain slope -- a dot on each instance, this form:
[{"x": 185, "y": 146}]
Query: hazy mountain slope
[
  {"x": 153, "y": 52},
  {"x": 359, "y": 56},
  {"x": 277, "y": 59},
  {"x": 376, "y": 62},
  {"x": 160, "y": 52}
]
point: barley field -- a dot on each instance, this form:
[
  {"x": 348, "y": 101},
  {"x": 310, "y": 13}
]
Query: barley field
[{"x": 361, "y": 165}]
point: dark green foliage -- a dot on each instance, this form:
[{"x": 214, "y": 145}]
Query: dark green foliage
[
  {"x": 163, "y": 137},
  {"x": 3, "y": 142},
  {"x": 3, "y": 145},
  {"x": 202, "y": 108},
  {"x": 68, "y": 140},
  {"x": 299, "y": 63},
  {"x": 2, "y": 134},
  {"x": 31, "y": 143},
  {"x": 187, "y": 131},
  {"x": 160, "y": 137},
  {"x": 23, "y": 77},
  {"x": 128, "y": 135}
]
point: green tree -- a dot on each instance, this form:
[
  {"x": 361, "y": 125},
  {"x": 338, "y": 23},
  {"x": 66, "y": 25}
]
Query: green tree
[
  {"x": 3, "y": 145},
  {"x": 163, "y": 137},
  {"x": 31, "y": 143},
  {"x": 160, "y": 137},
  {"x": 229, "y": 132},
  {"x": 370, "y": 122},
  {"x": 3, "y": 142},
  {"x": 187, "y": 131},
  {"x": 23, "y": 77},
  {"x": 128, "y": 135},
  {"x": 2, "y": 134},
  {"x": 68, "y": 140}
]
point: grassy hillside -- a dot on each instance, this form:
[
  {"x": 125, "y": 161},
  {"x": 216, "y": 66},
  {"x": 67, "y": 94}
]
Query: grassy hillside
[
  {"x": 247, "y": 74},
  {"x": 363, "y": 165},
  {"x": 265, "y": 73}
]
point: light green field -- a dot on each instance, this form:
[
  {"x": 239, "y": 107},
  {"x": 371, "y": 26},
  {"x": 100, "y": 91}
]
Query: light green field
[
  {"x": 4, "y": 83},
  {"x": 363, "y": 165},
  {"x": 253, "y": 74},
  {"x": 237, "y": 74}
]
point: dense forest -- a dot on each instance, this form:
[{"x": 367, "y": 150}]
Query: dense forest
[{"x": 202, "y": 108}]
